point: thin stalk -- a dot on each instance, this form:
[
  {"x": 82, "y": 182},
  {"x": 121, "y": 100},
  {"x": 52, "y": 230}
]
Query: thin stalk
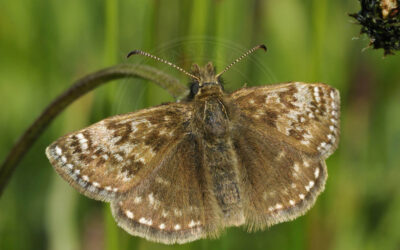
[{"x": 78, "y": 89}]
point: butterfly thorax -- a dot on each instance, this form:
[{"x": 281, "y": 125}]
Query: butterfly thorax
[{"x": 211, "y": 116}]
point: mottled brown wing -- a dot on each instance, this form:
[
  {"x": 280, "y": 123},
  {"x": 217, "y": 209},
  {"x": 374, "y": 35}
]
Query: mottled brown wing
[
  {"x": 110, "y": 157},
  {"x": 284, "y": 134},
  {"x": 148, "y": 165},
  {"x": 280, "y": 182},
  {"x": 305, "y": 116},
  {"x": 173, "y": 204}
]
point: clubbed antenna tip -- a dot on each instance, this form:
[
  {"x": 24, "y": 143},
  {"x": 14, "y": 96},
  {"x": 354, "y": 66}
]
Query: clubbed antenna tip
[
  {"x": 134, "y": 52},
  {"x": 262, "y": 46}
]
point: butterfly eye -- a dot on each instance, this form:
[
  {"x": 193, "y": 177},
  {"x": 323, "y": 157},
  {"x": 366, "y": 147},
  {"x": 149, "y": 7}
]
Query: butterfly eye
[{"x": 194, "y": 88}]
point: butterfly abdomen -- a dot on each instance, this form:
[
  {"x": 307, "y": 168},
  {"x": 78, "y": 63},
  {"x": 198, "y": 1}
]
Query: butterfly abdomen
[{"x": 219, "y": 161}]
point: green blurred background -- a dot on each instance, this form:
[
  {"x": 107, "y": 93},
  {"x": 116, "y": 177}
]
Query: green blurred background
[{"x": 46, "y": 45}]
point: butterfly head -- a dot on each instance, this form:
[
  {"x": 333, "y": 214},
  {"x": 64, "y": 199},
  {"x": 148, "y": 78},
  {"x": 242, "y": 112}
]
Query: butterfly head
[{"x": 206, "y": 82}]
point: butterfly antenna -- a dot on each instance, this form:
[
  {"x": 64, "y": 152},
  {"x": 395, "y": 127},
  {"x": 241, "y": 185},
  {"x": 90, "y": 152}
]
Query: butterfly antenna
[
  {"x": 139, "y": 52},
  {"x": 261, "y": 46}
]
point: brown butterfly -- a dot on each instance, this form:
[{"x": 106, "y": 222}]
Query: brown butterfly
[{"x": 183, "y": 171}]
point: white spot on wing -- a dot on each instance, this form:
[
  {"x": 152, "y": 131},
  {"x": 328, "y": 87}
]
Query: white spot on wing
[
  {"x": 316, "y": 173},
  {"x": 115, "y": 139},
  {"x": 58, "y": 150},
  {"x": 305, "y": 142},
  {"x": 143, "y": 220},
  {"x": 129, "y": 214},
  {"x": 135, "y": 123},
  {"x": 64, "y": 159},
  {"x": 137, "y": 200},
  {"x": 118, "y": 157},
  {"x": 281, "y": 154},
  {"x": 83, "y": 140},
  {"x": 192, "y": 224},
  {"x": 84, "y": 146},
  {"x": 69, "y": 166},
  {"x": 178, "y": 212},
  {"x": 151, "y": 198},
  {"x": 296, "y": 167}
]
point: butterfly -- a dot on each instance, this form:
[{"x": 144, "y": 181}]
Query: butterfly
[{"x": 187, "y": 170}]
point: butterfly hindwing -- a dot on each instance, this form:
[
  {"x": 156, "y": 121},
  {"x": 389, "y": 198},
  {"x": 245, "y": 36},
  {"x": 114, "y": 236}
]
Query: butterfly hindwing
[
  {"x": 279, "y": 182},
  {"x": 173, "y": 204}
]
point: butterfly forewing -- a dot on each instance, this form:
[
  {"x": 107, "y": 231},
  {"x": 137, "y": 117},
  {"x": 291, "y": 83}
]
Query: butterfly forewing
[
  {"x": 112, "y": 156},
  {"x": 285, "y": 134},
  {"x": 303, "y": 115}
]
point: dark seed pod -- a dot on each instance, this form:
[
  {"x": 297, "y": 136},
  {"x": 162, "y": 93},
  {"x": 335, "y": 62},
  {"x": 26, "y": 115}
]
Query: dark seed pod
[{"x": 380, "y": 20}]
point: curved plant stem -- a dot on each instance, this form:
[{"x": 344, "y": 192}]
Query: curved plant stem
[{"x": 78, "y": 89}]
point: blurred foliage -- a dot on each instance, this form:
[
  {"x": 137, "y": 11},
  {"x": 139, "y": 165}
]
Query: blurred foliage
[{"x": 45, "y": 45}]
